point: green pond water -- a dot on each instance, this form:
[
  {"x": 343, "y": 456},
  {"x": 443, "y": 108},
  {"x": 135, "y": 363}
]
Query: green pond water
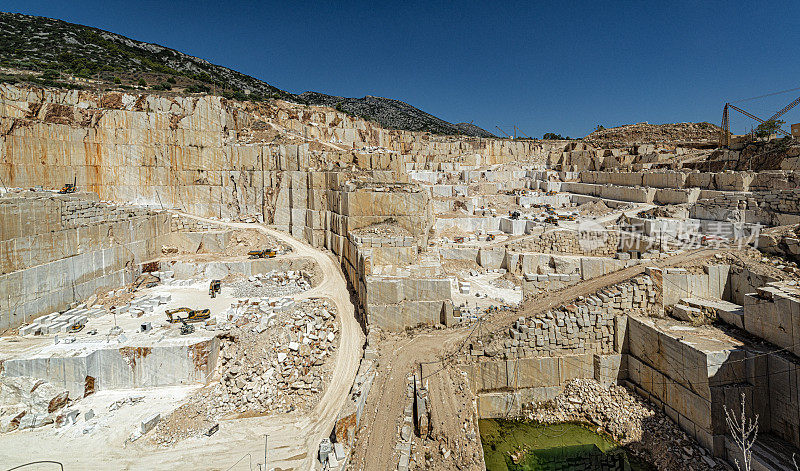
[{"x": 551, "y": 447}]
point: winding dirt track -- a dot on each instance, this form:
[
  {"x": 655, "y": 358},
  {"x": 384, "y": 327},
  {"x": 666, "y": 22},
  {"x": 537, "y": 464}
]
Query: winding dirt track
[
  {"x": 293, "y": 438},
  {"x": 377, "y": 436}
]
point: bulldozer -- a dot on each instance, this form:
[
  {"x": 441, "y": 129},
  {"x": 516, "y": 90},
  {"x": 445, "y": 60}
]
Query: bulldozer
[
  {"x": 214, "y": 288},
  {"x": 76, "y": 328},
  {"x": 265, "y": 253},
  {"x": 69, "y": 187},
  {"x": 192, "y": 315}
]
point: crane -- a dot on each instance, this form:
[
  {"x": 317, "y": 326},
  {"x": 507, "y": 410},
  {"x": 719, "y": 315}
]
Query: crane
[
  {"x": 498, "y": 128},
  {"x": 785, "y": 109},
  {"x": 516, "y": 129},
  {"x": 725, "y": 139}
]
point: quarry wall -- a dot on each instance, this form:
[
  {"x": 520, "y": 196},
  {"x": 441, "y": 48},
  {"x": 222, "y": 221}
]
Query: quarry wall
[
  {"x": 59, "y": 250},
  {"x": 691, "y": 373},
  {"x": 126, "y": 367},
  {"x": 206, "y": 155}
]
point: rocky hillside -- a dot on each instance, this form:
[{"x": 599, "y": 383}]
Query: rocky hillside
[
  {"x": 685, "y": 134},
  {"x": 42, "y": 44},
  {"x": 384, "y": 111},
  {"x": 55, "y": 53}
]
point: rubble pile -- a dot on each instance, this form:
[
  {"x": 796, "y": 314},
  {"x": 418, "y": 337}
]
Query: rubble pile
[
  {"x": 273, "y": 363},
  {"x": 783, "y": 241},
  {"x": 273, "y": 283},
  {"x": 630, "y": 420},
  {"x": 594, "y": 208},
  {"x": 385, "y": 229},
  {"x": 655, "y": 133}
]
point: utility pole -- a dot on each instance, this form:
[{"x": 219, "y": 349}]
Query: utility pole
[{"x": 266, "y": 438}]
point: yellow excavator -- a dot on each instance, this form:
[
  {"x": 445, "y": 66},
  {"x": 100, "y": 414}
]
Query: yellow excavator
[
  {"x": 266, "y": 253},
  {"x": 192, "y": 315}
]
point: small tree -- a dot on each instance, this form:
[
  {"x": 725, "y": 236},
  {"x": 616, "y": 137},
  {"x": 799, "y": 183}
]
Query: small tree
[
  {"x": 744, "y": 435},
  {"x": 768, "y": 128},
  {"x": 117, "y": 80},
  {"x": 599, "y": 127},
  {"x": 142, "y": 82}
]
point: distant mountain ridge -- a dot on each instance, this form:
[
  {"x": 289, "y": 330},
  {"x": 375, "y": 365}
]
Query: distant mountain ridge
[{"x": 55, "y": 47}]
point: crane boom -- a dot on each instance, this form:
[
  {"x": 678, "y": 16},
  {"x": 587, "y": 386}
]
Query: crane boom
[
  {"x": 752, "y": 116},
  {"x": 785, "y": 109},
  {"x": 498, "y": 128},
  {"x": 725, "y": 135}
]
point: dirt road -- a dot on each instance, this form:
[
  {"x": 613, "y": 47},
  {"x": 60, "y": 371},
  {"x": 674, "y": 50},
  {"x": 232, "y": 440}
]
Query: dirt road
[
  {"x": 399, "y": 354},
  {"x": 293, "y": 438}
]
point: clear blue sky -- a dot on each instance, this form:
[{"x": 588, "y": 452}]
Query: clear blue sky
[{"x": 544, "y": 66}]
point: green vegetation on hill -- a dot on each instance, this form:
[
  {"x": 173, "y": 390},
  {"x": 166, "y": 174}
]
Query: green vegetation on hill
[{"x": 55, "y": 53}]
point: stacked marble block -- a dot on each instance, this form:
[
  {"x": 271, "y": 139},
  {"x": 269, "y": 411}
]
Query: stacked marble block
[{"x": 59, "y": 322}]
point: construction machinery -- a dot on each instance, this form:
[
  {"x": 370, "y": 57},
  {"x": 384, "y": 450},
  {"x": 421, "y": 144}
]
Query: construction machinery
[
  {"x": 551, "y": 220},
  {"x": 214, "y": 288},
  {"x": 725, "y": 138},
  {"x": 265, "y": 253},
  {"x": 459, "y": 240},
  {"x": 489, "y": 237},
  {"x": 69, "y": 187},
  {"x": 76, "y": 328},
  {"x": 515, "y": 215},
  {"x": 191, "y": 315},
  {"x": 186, "y": 329}
]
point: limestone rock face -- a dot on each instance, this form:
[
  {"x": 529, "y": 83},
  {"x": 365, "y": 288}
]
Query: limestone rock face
[
  {"x": 208, "y": 155},
  {"x": 27, "y": 402}
]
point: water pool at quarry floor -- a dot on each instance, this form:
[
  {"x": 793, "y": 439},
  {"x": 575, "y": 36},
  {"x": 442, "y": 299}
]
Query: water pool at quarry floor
[{"x": 510, "y": 445}]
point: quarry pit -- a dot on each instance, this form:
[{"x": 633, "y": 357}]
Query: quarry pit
[{"x": 415, "y": 285}]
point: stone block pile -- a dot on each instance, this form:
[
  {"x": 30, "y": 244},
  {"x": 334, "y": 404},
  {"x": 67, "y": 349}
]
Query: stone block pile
[
  {"x": 143, "y": 304},
  {"x": 61, "y": 322},
  {"x": 368, "y": 240},
  {"x": 272, "y": 284},
  {"x": 279, "y": 368},
  {"x": 591, "y": 324},
  {"x": 79, "y": 211},
  {"x": 274, "y": 362},
  {"x": 591, "y": 243},
  {"x": 180, "y": 223}
]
